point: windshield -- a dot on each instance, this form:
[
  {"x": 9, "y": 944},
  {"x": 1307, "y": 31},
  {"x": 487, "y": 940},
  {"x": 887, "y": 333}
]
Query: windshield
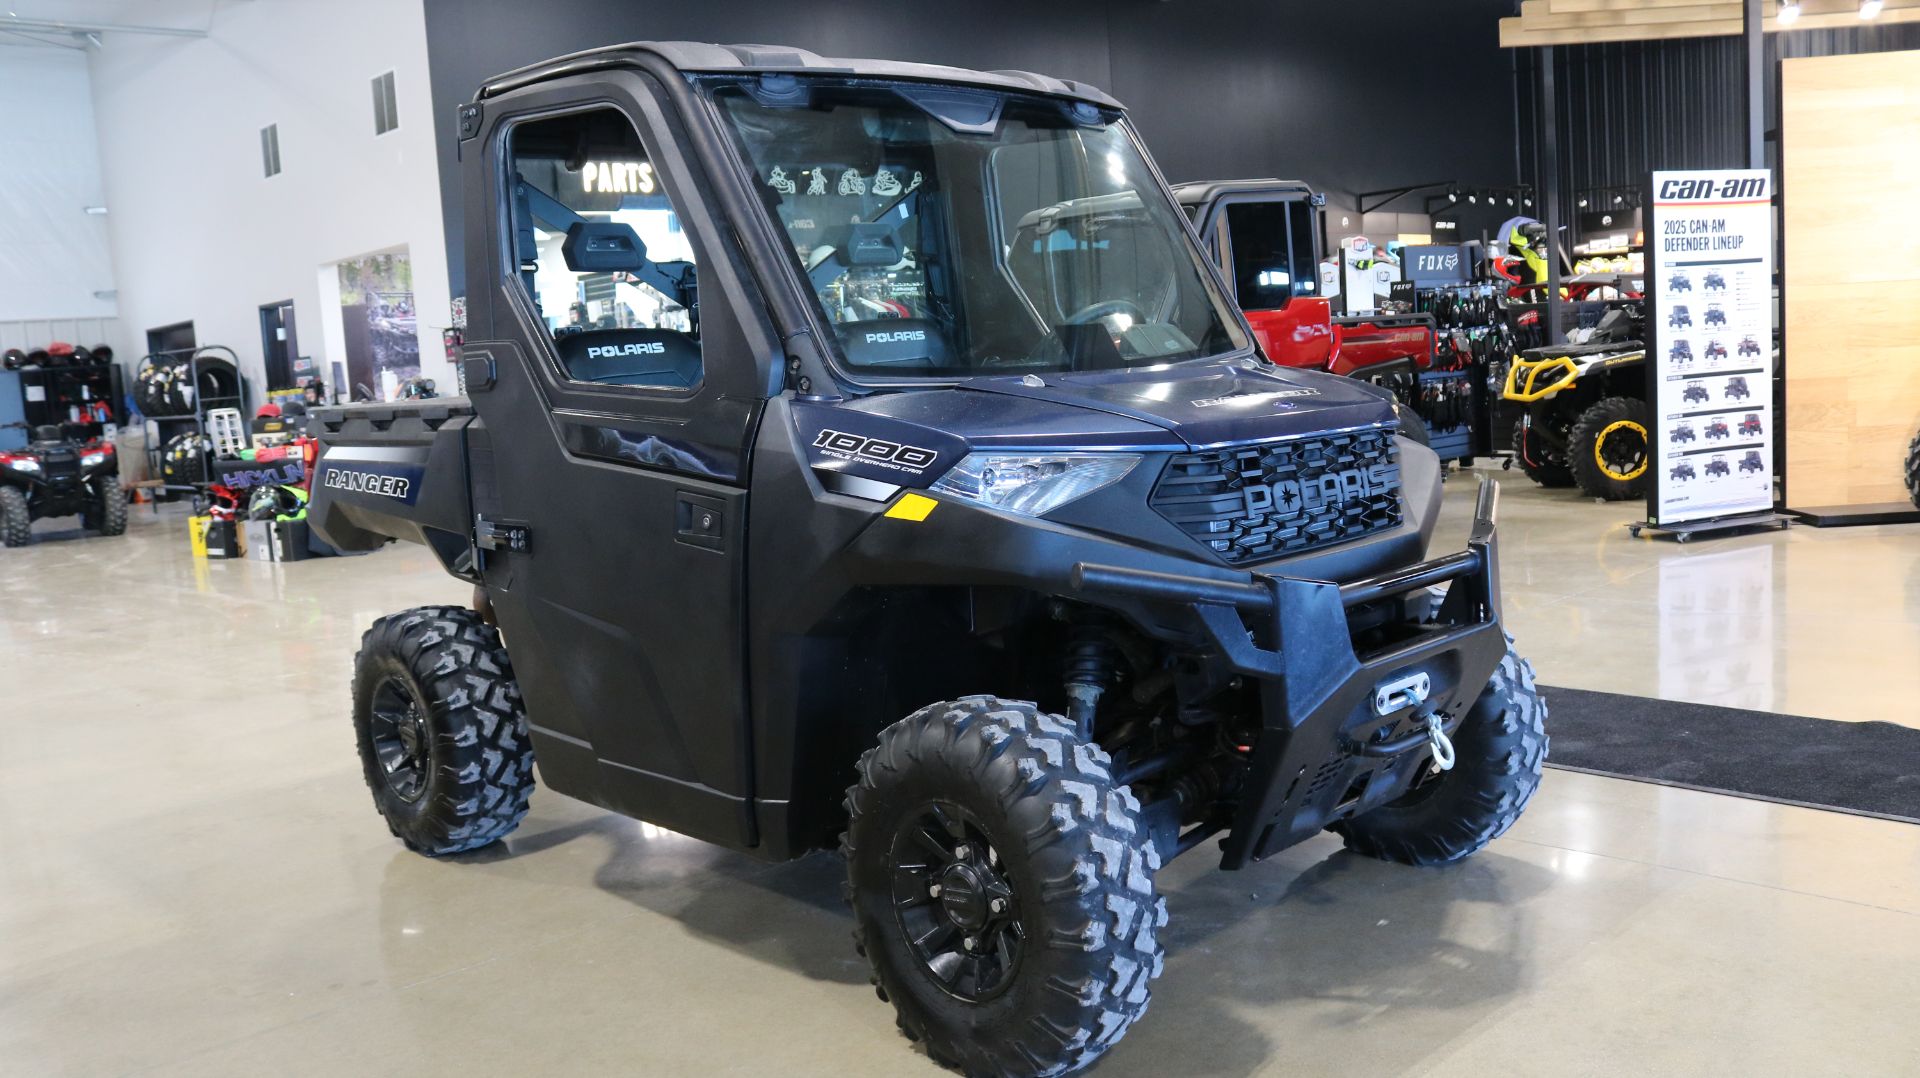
[{"x": 951, "y": 232}]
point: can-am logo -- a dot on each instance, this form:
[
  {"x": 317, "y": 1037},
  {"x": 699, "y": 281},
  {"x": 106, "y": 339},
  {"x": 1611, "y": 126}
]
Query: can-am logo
[
  {"x": 1703, "y": 188},
  {"x": 615, "y": 351},
  {"x": 1290, "y": 496},
  {"x": 890, "y": 336},
  {"x": 387, "y": 486},
  {"x": 898, "y": 456}
]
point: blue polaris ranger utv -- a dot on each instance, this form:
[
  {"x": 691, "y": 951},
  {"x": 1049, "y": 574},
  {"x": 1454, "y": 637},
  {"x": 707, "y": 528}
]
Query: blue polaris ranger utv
[{"x": 865, "y": 455}]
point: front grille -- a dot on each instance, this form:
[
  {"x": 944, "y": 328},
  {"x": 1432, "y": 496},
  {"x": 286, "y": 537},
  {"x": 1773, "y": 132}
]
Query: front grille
[{"x": 1252, "y": 502}]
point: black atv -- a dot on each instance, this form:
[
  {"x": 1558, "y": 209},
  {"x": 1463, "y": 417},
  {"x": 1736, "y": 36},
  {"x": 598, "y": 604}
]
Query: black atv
[
  {"x": 1748, "y": 347},
  {"x": 1679, "y": 318},
  {"x": 1682, "y": 472},
  {"x": 1586, "y": 419},
  {"x": 1752, "y": 462},
  {"x": 57, "y": 476},
  {"x": 1736, "y": 389},
  {"x": 1682, "y": 433},
  {"x": 1714, "y": 282},
  {"x": 1679, "y": 282},
  {"x": 1716, "y": 350},
  {"x": 1716, "y": 316},
  {"x": 1695, "y": 393},
  {"x": 1010, "y": 569},
  {"x": 1717, "y": 467}
]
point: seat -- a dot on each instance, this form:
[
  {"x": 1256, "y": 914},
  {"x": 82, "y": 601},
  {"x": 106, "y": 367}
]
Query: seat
[
  {"x": 894, "y": 343},
  {"x": 631, "y": 357}
]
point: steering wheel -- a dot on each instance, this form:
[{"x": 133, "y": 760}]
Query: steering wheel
[{"x": 1097, "y": 311}]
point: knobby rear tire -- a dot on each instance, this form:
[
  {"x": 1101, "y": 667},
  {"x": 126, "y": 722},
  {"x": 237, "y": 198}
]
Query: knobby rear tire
[{"x": 479, "y": 765}]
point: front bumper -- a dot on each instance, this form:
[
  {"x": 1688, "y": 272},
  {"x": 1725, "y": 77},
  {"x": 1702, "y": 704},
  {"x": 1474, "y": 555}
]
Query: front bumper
[{"x": 1327, "y": 751}]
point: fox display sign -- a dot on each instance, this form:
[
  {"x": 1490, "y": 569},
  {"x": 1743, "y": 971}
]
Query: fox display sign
[{"x": 1710, "y": 326}]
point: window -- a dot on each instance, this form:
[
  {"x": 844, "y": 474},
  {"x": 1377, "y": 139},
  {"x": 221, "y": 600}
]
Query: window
[
  {"x": 951, "y": 234},
  {"x": 270, "y": 149},
  {"x": 1272, "y": 248},
  {"x": 600, "y": 253},
  {"x": 386, "y": 114}
]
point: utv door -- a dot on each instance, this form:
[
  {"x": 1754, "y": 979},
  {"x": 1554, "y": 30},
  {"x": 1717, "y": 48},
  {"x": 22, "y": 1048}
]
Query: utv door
[{"x": 619, "y": 384}]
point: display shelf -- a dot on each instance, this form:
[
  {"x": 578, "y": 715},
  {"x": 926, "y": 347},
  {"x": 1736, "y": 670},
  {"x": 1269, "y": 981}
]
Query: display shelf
[{"x": 201, "y": 406}]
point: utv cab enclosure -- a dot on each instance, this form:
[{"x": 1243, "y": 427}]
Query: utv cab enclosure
[{"x": 865, "y": 454}]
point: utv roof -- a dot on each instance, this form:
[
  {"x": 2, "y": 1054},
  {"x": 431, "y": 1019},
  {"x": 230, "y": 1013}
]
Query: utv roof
[
  {"x": 1201, "y": 192},
  {"x": 699, "y": 56}
]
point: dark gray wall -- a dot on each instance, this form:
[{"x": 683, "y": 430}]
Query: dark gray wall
[
  {"x": 1631, "y": 108},
  {"x": 1359, "y": 96}
]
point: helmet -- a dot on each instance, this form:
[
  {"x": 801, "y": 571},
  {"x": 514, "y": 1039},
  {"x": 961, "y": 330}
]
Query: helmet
[
  {"x": 15, "y": 359},
  {"x": 277, "y": 502},
  {"x": 268, "y": 410}
]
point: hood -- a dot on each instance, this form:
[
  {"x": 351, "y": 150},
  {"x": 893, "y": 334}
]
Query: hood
[
  {"x": 912, "y": 438},
  {"x": 1212, "y": 404}
]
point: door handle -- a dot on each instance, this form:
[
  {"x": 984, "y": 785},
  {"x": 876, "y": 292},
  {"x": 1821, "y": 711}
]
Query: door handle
[{"x": 699, "y": 521}]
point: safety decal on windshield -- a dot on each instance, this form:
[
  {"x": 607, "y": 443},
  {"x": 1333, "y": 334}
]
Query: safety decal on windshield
[{"x": 1253, "y": 398}]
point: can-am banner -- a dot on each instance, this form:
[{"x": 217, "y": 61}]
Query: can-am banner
[{"x": 1710, "y": 368}]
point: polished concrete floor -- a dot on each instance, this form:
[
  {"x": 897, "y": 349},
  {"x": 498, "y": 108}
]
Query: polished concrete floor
[{"x": 193, "y": 881}]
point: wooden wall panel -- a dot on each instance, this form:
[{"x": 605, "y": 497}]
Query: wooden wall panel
[{"x": 1850, "y": 184}]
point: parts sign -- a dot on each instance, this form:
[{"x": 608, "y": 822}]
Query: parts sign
[{"x": 1710, "y": 360}]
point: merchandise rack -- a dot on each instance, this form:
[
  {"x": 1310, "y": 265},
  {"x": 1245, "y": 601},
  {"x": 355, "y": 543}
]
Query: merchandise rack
[
  {"x": 66, "y": 386},
  {"x": 201, "y": 405}
]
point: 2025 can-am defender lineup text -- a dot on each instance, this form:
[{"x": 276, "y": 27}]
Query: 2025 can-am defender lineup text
[
  {"x": 56, "y": 476},
  {"x": 889, "y": 495}
]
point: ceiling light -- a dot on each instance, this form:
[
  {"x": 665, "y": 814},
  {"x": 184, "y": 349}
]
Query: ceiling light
[
  {"x": 1453, "y": 196},
  {"x": 1789, "y": 11},
  {"x": 1617, "y": 200},
  {"x": 95, "y": 211},
  {"x": 1870, "y": 8},
  {"x": 1583, "y": 203},
  {"x": 1473, "y": 198}
]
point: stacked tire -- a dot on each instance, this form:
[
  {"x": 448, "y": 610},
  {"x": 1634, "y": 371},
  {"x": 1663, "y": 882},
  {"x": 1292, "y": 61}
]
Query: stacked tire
[
  {"x": 183, "y": 459},
  {"x": 170, "y": 387}
]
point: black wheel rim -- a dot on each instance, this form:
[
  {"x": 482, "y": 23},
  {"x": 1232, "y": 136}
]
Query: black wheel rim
[
  {"x": 957, "y": 910},
  {"x": 400, "y": 739}
]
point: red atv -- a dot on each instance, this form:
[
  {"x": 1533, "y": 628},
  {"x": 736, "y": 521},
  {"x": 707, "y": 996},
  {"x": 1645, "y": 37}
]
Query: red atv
[
  {"x": 1265, "y": 234},
  {"x": 56, "y": 476}
]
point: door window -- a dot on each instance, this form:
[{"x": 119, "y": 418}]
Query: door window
[
  {"x": 598, "y": 249},
  {"x": 1272, "y": 248}
]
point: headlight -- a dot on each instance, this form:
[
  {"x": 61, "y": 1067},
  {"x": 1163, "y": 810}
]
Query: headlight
[
  {"x": 88, "y": 460},
  {"x": 1033, "y": 483},
  {"x": 23, "y": 464}
]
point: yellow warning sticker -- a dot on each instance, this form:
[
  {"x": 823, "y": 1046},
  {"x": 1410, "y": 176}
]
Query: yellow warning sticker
[{"x": 912, "y": 507}]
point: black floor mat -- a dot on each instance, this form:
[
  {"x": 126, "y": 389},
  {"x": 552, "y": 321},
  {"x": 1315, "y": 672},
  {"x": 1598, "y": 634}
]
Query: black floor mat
[{"x": 1869, "y": 768}]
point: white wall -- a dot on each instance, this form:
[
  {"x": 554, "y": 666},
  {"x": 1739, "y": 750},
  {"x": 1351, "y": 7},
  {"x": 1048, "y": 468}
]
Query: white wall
[
  {"x": 200, "y": 234},
  {"x": 53, "y": 255}
]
